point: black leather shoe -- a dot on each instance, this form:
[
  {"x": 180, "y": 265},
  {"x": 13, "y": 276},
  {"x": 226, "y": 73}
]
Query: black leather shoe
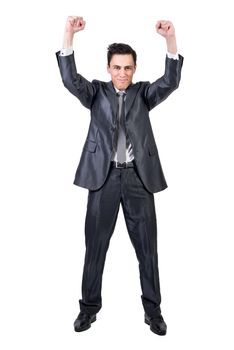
[
  {"x": 83, "y": 322},
  {"x": 157, "y": 324}
]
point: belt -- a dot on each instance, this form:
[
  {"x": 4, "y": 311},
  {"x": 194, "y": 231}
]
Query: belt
[{"x": 124, "y": 165}]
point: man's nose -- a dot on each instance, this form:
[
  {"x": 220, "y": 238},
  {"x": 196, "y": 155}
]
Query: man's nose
[{"x": 122, "y": 72}]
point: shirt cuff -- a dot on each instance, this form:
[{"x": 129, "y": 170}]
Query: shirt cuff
[
  {"x": 66, "y": 52},
  {"x": 175, "y": 56}
]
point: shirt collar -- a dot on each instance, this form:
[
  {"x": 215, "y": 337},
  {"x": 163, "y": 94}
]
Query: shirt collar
[{"x": 117, "y": 90}]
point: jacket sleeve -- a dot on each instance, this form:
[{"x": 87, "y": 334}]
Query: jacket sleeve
[
  {"x": 159, "y": 90},
  {"x": 84, "y": 90}
]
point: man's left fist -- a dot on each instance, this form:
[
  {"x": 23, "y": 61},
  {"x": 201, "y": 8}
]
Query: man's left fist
[{"x": 165, "y": 28}]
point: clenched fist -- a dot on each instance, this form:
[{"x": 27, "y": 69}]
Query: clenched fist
[
  {"x": 165, "y": 28},
  {"x": 74, "y": 24}
]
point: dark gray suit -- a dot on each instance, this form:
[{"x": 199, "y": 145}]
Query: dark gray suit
[
  {"x": 109, "y": 187},
  {"x": 100, "y": 97}
]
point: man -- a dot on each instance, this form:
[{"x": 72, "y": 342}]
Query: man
[{"x": 120, "y": 164}]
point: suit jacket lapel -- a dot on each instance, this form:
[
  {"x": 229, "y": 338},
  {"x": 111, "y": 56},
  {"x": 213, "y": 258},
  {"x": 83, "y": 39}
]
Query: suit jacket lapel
[
  {"x": 112, "y": 98},
  {"x": 130, "y": 97}
]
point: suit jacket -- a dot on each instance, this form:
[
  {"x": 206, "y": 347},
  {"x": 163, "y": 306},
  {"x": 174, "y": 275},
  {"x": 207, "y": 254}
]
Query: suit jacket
[{"x": 100, "y": 97}]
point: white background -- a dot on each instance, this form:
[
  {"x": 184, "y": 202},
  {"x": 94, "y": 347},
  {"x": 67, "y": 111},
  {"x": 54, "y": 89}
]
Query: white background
[{"x": 42, "y": 131}]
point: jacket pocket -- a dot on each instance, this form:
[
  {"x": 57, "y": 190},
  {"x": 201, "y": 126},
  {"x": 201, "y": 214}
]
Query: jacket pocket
[{"x": 90, "y": 146}]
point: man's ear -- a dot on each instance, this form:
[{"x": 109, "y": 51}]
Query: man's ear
[
  {"x": 135, "y": 68},
  {"x": 108, "y": 68}
]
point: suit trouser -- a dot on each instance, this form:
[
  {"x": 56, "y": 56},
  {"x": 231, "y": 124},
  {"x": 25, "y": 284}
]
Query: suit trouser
[{"x": 121, "y": 186}]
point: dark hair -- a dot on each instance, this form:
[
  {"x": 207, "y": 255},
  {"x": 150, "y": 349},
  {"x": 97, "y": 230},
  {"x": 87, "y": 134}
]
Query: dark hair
[{"x": 120, "y": 49}]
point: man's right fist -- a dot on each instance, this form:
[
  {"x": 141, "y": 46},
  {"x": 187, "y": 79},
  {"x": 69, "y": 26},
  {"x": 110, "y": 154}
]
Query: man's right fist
[{"x": 74, "y": 24}]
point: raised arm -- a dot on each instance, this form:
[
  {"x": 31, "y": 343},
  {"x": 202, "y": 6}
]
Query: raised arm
[
  {"x": 158, "y": 91},
  {"x": 74, "y": 82}
]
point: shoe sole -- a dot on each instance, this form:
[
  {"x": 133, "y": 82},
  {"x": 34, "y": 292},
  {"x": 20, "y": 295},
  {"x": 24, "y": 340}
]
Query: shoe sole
[
  {"x": 85, "y": 328},
  {"x": 152, "y": 330}
]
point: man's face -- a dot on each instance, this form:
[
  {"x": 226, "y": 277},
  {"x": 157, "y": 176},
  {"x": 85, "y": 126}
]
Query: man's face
[{"x": 121, "y": 69}]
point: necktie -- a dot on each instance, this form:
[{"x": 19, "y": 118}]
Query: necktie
[{"x": 121, "y": 142}]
